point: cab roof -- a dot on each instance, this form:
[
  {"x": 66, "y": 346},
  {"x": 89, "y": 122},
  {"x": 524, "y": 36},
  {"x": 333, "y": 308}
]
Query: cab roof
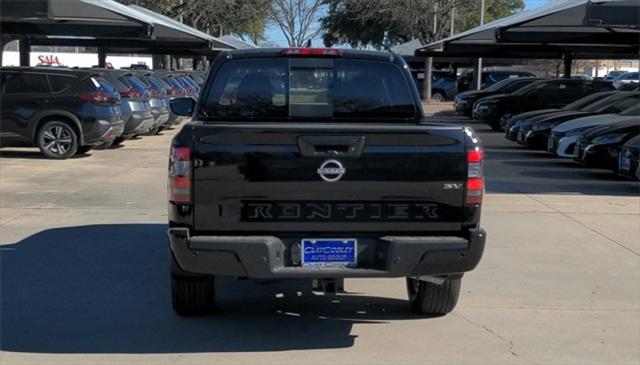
[{"x": 282, "y": 52}]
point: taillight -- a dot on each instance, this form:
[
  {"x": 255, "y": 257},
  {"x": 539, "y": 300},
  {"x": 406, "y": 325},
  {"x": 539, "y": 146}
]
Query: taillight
[
  {"x": 180, "y": 175},
  {"x": 97, "y": 96},
  {"x": 173, "y": 91},
  {"x": 313, "y": 52},
  {"x": 131, "y": 93},
  {"x": 475, "y": 179}
]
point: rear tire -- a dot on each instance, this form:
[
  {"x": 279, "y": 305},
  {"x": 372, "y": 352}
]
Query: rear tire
[
  {"x": 433, "y": 299},
  {"x": 57, "y": 140},
  {"x": 438, "y": 97},
  {"x": 83, "y": 149},
  {"x": 192, "y": 296}
]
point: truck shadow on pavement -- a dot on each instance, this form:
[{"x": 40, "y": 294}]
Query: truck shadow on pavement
[{"x": 105, "y": 289}]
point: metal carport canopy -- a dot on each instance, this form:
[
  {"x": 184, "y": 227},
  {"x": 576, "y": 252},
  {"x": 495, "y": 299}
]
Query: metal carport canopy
[
  {"x": 613, "y": 14},
  {"x": 407, "y": 50},
  {"x": 81, "y": 18},
  {"x": 98, "y": 23},
  {"x": 167, "y": 23},
  {"x": 550, "y": 31}
]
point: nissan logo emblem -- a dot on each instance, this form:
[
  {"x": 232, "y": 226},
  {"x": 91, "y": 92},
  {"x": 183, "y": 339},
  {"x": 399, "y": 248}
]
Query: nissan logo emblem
[{"x": 331, "y": 171}]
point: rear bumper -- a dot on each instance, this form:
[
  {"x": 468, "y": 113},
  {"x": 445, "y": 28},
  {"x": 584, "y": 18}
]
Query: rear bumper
[
  {"x": 160, "y": 116},
  {"x": 162, "y": 119},
  {"x": 268, "y": 256},
  {"x": 138, "y": 123},
  {"x": 104, "y": 131}
]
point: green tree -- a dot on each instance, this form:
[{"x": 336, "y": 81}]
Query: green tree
[
  {"x": 468, "y": 12},
  {"x": 245, "y": 19},
  {"x": 159, "y": 6},
  {"x": 381, "y": 23}
]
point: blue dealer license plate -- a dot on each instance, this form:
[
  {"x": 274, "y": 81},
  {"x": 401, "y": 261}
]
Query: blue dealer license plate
[{"x": 329, "y": 252}]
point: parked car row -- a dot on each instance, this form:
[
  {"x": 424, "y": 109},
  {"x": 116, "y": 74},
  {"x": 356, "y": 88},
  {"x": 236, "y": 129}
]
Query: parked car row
[
  {"x": 599, "y": 130},
  {"x": 65, "y": 112},
  {"x": 465, "y": 101},
  {"x": 589, "y": 121},
  {"x": 445, "y": 85},
  {"x": 536, "y": 94},
  {"x": 613, "y": 75},
  {"x": 489, "y": 78},
  {"x": 627, "y": 78}
]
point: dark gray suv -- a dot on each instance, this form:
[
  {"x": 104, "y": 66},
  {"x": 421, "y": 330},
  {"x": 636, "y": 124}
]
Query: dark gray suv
[{"x": 63, "y": 112}]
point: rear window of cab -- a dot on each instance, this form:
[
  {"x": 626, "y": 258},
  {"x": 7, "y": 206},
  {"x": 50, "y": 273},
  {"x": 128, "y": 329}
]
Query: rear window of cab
[{"x": 280, "y": 88}]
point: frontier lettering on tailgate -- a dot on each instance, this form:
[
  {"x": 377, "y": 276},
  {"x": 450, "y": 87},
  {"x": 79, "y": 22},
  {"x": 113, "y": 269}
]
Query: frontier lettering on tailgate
[{"x": 343, "y": 211}]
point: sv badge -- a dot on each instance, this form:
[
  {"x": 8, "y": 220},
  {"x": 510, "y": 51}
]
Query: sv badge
[{"x": 452, "y": 186}]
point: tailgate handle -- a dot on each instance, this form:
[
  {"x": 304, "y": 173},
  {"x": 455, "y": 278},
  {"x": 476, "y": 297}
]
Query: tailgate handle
[{"x": 318, "y": 146}]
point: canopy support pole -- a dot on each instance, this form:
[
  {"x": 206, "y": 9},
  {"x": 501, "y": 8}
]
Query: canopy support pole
[
  {"x": 24, "y": 49},
  {"x": 477, "y": 75},
  {"x": 568, "y": 60},
  {"x": 102, "y": 57},
  {"x": 426, "y": 82},
  {"x": 3, "y": 42},
  {"x": 205, "y": 63},
  {"x": 156, "y": 61}
]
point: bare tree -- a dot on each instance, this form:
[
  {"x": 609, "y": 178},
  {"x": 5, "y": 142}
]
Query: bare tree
[{"x": 297, "y": 19}]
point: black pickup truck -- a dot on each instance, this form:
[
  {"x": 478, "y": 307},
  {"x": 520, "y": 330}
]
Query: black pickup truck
[{"x": 318, "y": 163}]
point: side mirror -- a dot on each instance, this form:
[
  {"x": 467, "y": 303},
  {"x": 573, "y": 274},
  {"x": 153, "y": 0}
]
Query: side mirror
[{"x": 182, "y": 106}]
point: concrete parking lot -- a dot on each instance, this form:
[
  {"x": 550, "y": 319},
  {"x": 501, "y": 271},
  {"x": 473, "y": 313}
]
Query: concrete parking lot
[{"x": 84, "y": 274}]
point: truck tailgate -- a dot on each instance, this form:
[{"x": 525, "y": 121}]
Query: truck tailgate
[{"x": 260, "y": 178}]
